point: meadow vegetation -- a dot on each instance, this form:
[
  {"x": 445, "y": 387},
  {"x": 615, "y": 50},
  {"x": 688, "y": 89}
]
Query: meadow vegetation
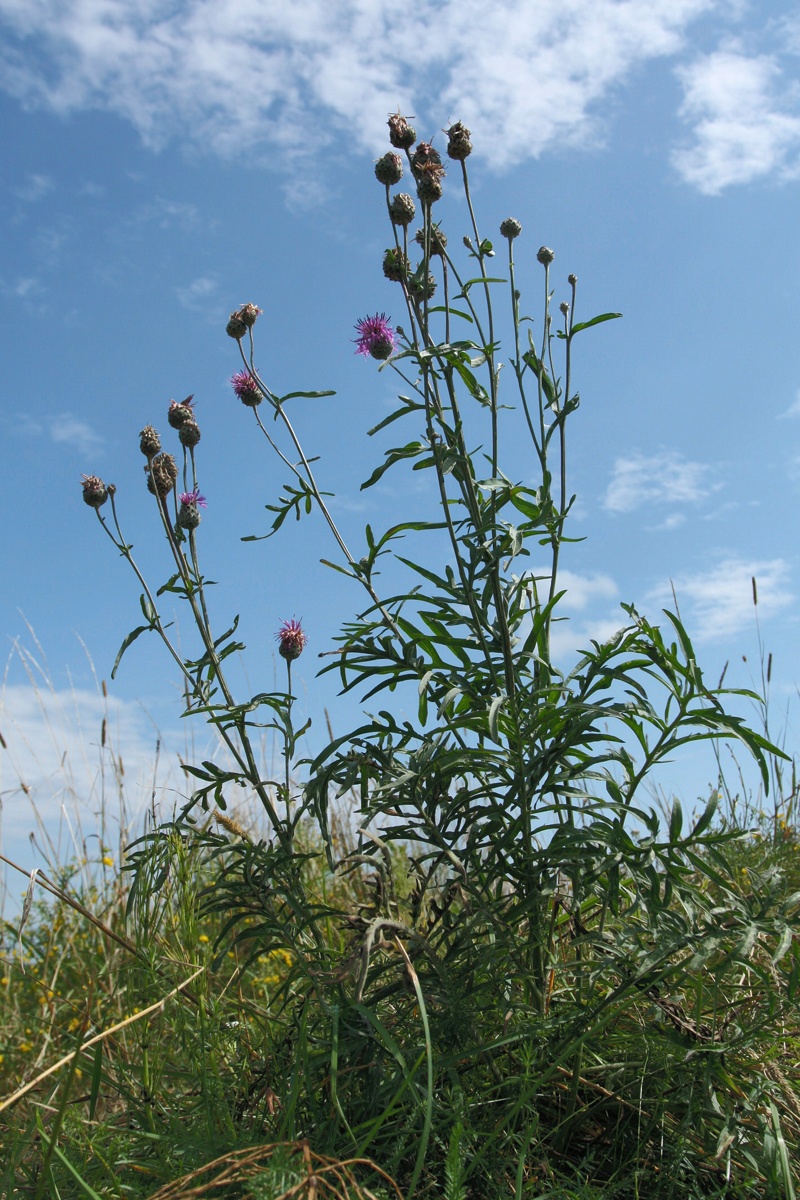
[{"x": 460, "y": 953}]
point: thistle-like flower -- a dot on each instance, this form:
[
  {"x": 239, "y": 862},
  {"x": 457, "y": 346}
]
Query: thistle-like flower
[
  {"x": 243, "y": 319},
  {"x": 162, "y": 475},
  {"x": 438, "y": 240},
  {"x": 195, "y": 498},
  {"x": 291, "y": 640},
  {"x": 376, "y": 338},
  {"x": 402, "y": 209},
  {"x": 395, "y": 264},
  {"x": 401, "y": 134},
  {"x": 149, "y": 441},
  {"x": 459, "y": 144},
  {"x": 420, "y": 288},
  {"x": 189, "y": 433},
  {"x": 246, "y": 389},
  {"x": 249, "y": 313},
  {"x": 181, "y": 412},
  {"x": 95, "y": 492},
  {"x": 510, "y": 228},
  {"x": 188, "y": 513},
  {"x": 389, "y": 169}
]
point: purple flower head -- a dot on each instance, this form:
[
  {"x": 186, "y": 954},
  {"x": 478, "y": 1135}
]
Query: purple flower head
[
  {"x": 246, "y": 388},
  {"x": 193, "y": 498},
  {"x": 376, "y": 338},
  {"x": 291, "y": 640}
]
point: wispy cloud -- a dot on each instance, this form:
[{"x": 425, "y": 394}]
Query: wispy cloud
[
  {"x": 195, "y": 295},
  {"x": 167, "y": 213},
  {"x": 67, "y": 430},
  {"x": 745, "y": 119},
  {"x": 23, "y": 288},
  {"x": 665, "y": 478},
  {"x": 569, "y": 638},
  {"x": 793, "y": 410},
  {"x": 58, "y": 766},
  {"x": 718, "y": 603},
  {"x": 34, "y": 188},
  {"x": 581, "y": 591},
  {"x": 588, "y": 602},
  {"x": 241, "y": 76}
]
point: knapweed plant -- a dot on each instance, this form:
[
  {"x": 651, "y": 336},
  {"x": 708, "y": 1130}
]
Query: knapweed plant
[{"x": 532, "y": 958}]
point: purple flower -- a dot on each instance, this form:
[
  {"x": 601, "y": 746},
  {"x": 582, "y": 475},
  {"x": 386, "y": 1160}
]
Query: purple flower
[
  {"x": 291, "y": 640},
  {"x": 193, "y": 498},
  {"x": 246, "y": 388},
  {"x": 376, "y": 338}
]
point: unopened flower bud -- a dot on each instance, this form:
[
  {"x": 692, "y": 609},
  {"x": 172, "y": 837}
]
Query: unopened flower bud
[
  {"x": 510, "y": 228},
  {"x": 189, "y": 433},
  {"x": 572, "y": 280},
  {"x": 545, "y": 256},
  {"x": 95, "y": 492},
  {"x": 429, "y": 188},
  {"x": 438, "y": 240},
  {"x": 421, "y": 289},
  {"x": 162, "y": 474},
  {"x": 402, "y": 209},
  {"x": 395, "y": 265},
  {"x": 389, "y": 169},
  {"x": 401, "y": 134},
  {"x": 249, "y": 313},
  {"x": 149, "y": 441},
  {"x": 459, "y": 145},
  {"x": 236, "y": 327},
  {"x": 564, "y": 307},
  {"x": 180, "y": 413},
  {"x": 426, "y": 159}
]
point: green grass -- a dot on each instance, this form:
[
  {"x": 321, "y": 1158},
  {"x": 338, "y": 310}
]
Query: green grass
[{"x": 677, "y": 1080}]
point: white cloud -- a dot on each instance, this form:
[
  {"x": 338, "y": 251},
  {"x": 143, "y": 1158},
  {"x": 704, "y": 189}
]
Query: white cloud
[
  {"x": 246, "y": 77},
  {"x": 55, "y": 773},
  {"x": 35, "y": 187},
  {"x": 793, "y": 410},
  {"x": 67, "y": 430},
  {"x": 718, "y": 603},
  {"x": 583, "y": 590},
  {"x": 568, "y": 638},
  {"x": 673, "y": 521},
  {"x": 24, "y": 287},
  {"x": 582, "y": 593},
  {"x": 166, "y": 213},
  {"x": 666, "y": 477},
  {"x": 196, "y": 293},
  {"x": 746, "y": 125}
]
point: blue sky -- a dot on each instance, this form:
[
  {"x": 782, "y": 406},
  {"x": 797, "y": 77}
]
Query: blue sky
[{"x": 165, "y": 162}]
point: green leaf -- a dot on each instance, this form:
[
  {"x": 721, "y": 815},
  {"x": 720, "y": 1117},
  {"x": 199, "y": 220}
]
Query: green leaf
[
  {"x": 454, "y": 312},
  {"x": 707, "y": 815},
  {"x": 97, "y": 1072},
  {"x": 580, "y": 325},
  {"x": 410, "y": 450},
  {"x": 128, "y": 641},
  {"x": 338, "y": 567},
  {"x": 408, "y": 407},
  {"x": 303, "y": 396},
  {"x": 494, "y": 713},
  {"x": 87, "y": 1189},
  {"x": 539, "y": 371}
]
